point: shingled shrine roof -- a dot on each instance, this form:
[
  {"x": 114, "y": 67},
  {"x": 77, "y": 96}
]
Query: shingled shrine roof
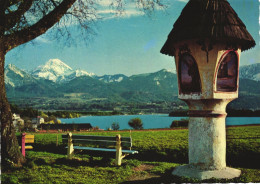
[{"x": 209, "y": 19}]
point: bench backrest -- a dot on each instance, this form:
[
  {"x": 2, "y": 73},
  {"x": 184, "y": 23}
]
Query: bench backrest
[
  {"x": 105, "y": 141},
  {"x": 29, "y": 138}
]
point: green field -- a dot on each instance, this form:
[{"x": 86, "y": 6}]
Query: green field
[{"x": 159, "y": 152}]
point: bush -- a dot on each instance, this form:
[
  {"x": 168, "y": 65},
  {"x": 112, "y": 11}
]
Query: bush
[
  {"x": 136, "y": 123},
  {"x": 115, "y": 126},
  {"x": 179, "y": 123}
]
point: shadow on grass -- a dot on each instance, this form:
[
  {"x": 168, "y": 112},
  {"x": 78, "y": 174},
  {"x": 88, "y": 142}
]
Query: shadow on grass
[
  {"x": 167, "y": 177},
  {"x": 75, "y": 162},
  {"x": 52, "y": 148},
  {"x": 245, "y": 157},
  {"x": 244, "y": 160},
  {"x": 167, "y": 156}
]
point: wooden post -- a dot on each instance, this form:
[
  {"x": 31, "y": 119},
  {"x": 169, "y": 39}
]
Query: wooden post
[
  {"x": 70, "y": 146},
  {"x": 23, "y": 144},
  {"x": 118, "y": 150},
  {"x": 130, "y": 138},
  {"x": 57, "y": 140}
]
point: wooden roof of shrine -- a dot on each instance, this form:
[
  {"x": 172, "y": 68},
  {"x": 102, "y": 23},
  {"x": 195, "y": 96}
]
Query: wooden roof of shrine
[{"x": 209, "y": 19}]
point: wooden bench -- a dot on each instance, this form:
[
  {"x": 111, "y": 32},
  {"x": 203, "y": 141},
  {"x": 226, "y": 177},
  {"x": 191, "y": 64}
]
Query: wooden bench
[
  {"x": 101, "y": 143},
  {"x": 26, "y": 139}
]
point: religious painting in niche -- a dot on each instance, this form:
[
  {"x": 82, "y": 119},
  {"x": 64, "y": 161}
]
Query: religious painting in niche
[
  {"x": 189, "y": 75},
  {"x": 228, "y": 73}
]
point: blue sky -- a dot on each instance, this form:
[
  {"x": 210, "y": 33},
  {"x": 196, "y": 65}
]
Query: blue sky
[{"x": 129, "y": 44}]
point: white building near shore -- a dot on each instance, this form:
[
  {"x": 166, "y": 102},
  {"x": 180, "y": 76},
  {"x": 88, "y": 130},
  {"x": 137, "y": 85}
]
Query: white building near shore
[
  {"x": 37, "y": 121},
  {"x": 17, "y": 121}
]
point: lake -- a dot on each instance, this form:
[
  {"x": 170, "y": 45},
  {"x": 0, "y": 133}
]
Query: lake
[{"x": 149, "y": 121}]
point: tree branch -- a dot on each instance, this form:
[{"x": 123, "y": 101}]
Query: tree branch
[
  {"x": 12, "y": 2},
  {"x": 5, "y": 4},
  {"x": 54, "y": 3},
  {"x": 13, "y": 18},
  {"x": 27, "y": 34}
]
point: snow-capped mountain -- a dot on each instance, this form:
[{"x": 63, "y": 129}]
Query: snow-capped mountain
[
  {"x": 57, "y": 71},
  {"x": 74, "y": 74},
  {"x": 111, "y": 78},
  {"x": 16, "y": 77},
  {"x": 52, "y": 70},
  {"x": 250, "y": 72}
]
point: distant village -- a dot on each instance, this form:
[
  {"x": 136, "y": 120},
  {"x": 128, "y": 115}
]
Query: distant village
[
  {"x": 38, "y": 124},
  {"x": 18, "y": 122}
]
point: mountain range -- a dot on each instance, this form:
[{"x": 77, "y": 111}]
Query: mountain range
[
  {"x": 57, "y": 79},
  {"x": 250, "y": 72}
]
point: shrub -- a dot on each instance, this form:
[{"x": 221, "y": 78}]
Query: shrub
[
  {"x": 136, "y": 123},
  {"x": 115, "y": 126},
  {"x": 179, "y": 123}
]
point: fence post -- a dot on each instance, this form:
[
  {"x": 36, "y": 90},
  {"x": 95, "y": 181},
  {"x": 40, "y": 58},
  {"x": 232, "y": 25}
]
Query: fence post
[
  {"x": 70, "y": 146},
  {"x": 23, "y": 144},
  {"x": 118, "y": 150},
  {"x": 57, "y": 140},
  {"x": 131, "y": 138}
]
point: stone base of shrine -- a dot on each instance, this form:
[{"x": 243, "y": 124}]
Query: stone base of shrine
[{"x": 191, "y": 172}]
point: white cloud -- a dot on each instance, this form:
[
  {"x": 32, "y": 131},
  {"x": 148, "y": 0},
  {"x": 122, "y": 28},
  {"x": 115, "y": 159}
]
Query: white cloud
[
  {"x": 108, "y": 14},
  {"x": 104, "y": 3},
  {"x": 184, "y": 1},
  {"x": 42, "y": 39},
  {"x": 106, "y": 9}
]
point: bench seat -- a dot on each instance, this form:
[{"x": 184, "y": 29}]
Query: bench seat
[
  {"x": 28, "y": 147},
  {"x": 103, "y": 149}
]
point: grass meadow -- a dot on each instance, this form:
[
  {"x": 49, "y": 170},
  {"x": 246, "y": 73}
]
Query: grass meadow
[{"x": 160, "y": 151}]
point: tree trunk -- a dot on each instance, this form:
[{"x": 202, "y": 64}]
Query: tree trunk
[{"x": 10, "y": 152}]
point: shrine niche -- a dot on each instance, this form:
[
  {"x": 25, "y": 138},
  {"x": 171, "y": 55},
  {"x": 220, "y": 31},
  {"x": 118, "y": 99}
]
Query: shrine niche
[
  {"x": 228, "y": 72},
  {"x": 189, "y": 78}
]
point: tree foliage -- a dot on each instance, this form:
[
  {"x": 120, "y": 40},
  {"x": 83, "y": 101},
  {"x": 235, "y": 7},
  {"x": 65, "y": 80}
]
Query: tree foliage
[
  {"x": 115, "y": 126},
  {"x": 136, "y": 123}
]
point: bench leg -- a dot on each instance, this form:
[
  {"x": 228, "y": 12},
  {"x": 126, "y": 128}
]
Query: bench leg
[
  {"x": 119, "y": 156},
  {"x": 118, "y": 150},
  {"x": 70, "y": 151},
  {"x": 70, "y": 147}
]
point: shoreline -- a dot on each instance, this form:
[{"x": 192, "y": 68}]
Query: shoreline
[
  {"x": 132, "y": 130},
  {"x": 167, "y": 115}
]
